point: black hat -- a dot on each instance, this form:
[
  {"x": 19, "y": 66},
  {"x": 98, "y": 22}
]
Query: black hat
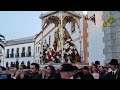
[
  {"x": 67, "y": 67},
  {"x": 97, "y": 62},
  {"x": 114, "y": 62}
]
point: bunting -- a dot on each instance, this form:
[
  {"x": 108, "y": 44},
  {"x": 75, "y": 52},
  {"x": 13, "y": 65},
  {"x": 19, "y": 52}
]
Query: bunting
[
  {"x": 110, "y": 20},
  {"x": 105, "y": 24}
]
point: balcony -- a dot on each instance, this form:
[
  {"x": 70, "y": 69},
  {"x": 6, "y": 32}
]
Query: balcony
[
  {"x": 22, "y": 54},
  {"x": 11, "y": 55},
  {"x": 7, "y": 56},
  {"x": 17, "y": 55},
  {"x": 28, "y": 54}
]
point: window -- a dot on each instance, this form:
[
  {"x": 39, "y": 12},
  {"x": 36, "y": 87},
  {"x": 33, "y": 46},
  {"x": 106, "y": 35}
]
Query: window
[
  {"x": 72, "y": 27},
  {"x": 7, "y": 53},
  {"x": 23, "y": 52},
  {"x": 17, "y": 52},
  {"x": 45, "y": 42},
  {"x": 49, "y": 40},
  {"x": 0, "y": 50},
  {"x": 29, "y": 51},
  {"x": 12, "y": 53},
  {"x": 36, "y": 49}
]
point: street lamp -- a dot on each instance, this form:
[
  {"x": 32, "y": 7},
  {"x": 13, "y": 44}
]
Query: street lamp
[{"x": 92, "y": 18}]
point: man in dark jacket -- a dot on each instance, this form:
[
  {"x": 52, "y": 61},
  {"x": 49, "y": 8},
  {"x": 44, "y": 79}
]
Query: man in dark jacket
[
  {"x": 115, "y": 72},
  {"x": 34, "y": 68},
  {"x": 86, "y": 73}
]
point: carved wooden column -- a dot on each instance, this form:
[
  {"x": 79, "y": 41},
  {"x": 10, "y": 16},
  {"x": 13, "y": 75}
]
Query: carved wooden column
[{"x": 85, "y": 40}]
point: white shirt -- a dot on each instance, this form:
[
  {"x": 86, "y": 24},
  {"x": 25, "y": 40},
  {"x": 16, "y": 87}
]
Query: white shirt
[
  {"x": 109, "y": 70},
  {"x": 96, "y": 75},
  {"x": 114, "y": 71}
]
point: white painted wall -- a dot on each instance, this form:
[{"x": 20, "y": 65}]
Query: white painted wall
[{"x": 95, "y": 38}]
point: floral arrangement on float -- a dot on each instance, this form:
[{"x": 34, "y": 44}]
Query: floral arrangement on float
[
  {"x": 69, "y": 51},
  {"x": 50, "y": 55}
]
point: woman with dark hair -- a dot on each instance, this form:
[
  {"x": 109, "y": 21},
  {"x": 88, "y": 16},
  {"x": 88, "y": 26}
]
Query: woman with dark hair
[
  {"x": 101, "y": 71},
  {"x": 94, "y": 71},
  {"x": 50, "y": 72}
]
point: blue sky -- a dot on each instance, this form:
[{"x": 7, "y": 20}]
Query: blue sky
[{"x": 20, "y": 24}]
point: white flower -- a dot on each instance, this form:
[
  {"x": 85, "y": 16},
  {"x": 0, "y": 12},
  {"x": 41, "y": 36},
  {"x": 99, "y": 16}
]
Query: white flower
[
  {"x": 48, "y": 49},
  {"x": 50, "y": 53},
  {"x": 64, "y": 51},
  {"x": 67, "y": 45},
  {"x": 71, "y": 47},
  {"x": 67, "y": 53},
  {"x": 47, "y": 57},
  {"x": 51, "y": 57},
  {"x": 70, "y": 52},
  {"x": 46, "y": 52},
  {"x": 75, "y": 52},
  {"x": 57, "y": 57}
]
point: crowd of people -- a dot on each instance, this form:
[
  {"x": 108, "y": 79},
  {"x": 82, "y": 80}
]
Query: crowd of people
[{"x": 66, "y": 71}]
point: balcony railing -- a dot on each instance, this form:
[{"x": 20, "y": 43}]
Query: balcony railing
[
  {"x": 28, "y": 54},
  {"x": 12, "y": 55},
  {"x": 17, "y": 55},
  {"x": 22, "y": 54},
  {"x": 7, "y": 56}
]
